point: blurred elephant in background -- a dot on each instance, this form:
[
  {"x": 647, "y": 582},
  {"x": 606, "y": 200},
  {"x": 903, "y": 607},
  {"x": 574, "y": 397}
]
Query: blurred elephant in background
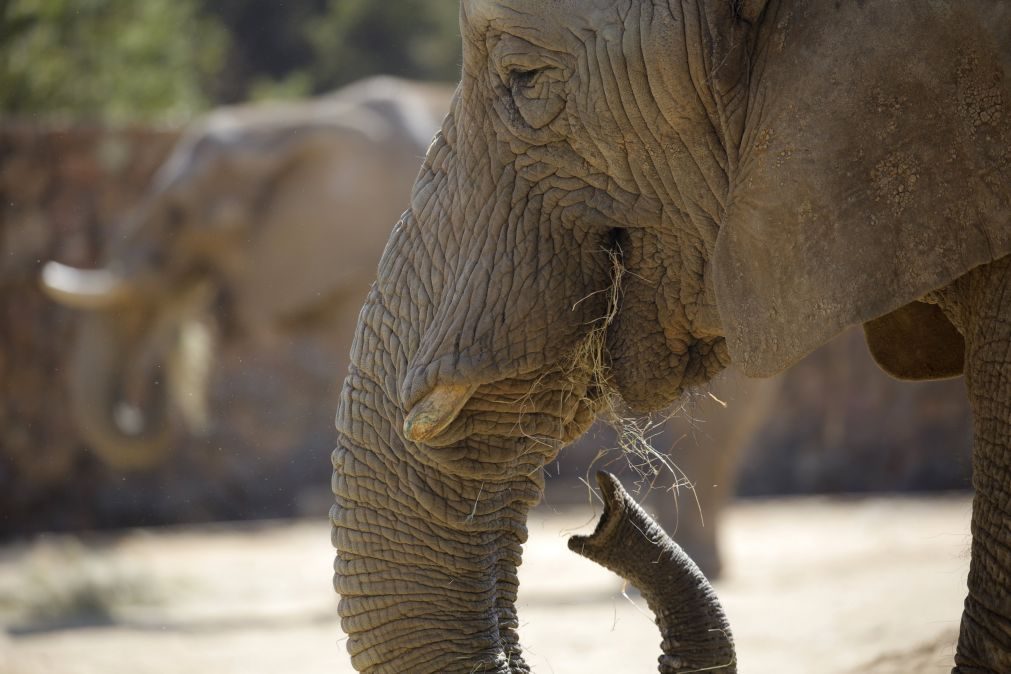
[{"x": 267, "y": 217}]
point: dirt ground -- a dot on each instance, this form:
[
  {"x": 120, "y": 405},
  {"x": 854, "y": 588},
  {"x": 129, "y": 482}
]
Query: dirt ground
[{"x": 813, "y": 585}]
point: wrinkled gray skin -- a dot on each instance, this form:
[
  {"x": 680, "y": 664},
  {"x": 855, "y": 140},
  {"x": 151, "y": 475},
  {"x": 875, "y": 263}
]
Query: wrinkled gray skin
[
  {"x": 751, "y": 177},
  {"x": 271, "y": 214}
]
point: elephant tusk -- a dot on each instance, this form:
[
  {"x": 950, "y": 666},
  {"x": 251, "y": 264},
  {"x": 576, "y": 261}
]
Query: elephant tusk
[
  {"x": 84, "y": 288},
  {"x": 436, "y": 411}
]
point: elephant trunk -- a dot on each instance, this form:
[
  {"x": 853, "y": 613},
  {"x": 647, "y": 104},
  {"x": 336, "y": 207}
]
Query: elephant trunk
[
  {"x": 418, "y": 597},
  {"x": 426, "y": 564},
  {"x": 430, "y": 518},
  {"x": 695, "y": 631},
  {"x": 125, "y": 437},
  {"x": 428, "y": 539},
  {"x": 427, "y": 558}
]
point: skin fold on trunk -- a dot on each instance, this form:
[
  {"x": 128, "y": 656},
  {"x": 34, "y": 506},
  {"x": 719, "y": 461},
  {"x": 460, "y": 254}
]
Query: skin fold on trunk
[
  {"x": 95, "y": 391},
  {"x": 695, "y": 631}
]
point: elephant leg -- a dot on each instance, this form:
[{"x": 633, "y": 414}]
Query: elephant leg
[
  {"x": 980, "y": 306},
  {"x": 705, "y": 451},
  {"x": 689, "y": 504}
]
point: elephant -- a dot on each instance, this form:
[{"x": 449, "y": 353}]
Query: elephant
[
  {"x": 240, "y": 223},
  {"x": 348, "y": 153},
  {"x": 625, "y": 198}
]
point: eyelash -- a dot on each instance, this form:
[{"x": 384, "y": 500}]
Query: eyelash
[{"x": 522, "y": 79}]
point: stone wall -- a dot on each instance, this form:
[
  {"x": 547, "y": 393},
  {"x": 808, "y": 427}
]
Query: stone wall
[{"x": 61, "y": 190}]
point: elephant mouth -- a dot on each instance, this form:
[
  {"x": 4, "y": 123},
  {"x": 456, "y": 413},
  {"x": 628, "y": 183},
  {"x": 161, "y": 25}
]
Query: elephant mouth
[{"x": 542, "y": 408}]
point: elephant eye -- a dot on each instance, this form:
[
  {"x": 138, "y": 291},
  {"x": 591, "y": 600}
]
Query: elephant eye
[
  {"x": 524, "y": 79},
  {"x": 537, "y": 94}
]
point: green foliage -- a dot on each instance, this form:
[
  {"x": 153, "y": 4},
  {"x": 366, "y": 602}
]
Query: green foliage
[
  {"x": 269, "y": 54},
  {"x": 296, "y": 84},
  {"x": 411, "y": 38},
  {"x": 106, "y": 59},
  {"x": 118, "y": 60}
]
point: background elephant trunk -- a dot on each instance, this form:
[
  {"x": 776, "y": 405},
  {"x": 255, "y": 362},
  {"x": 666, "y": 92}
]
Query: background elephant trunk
[
  {"x": 695, "y": 631},
  {"x": 125, "y": 437}
]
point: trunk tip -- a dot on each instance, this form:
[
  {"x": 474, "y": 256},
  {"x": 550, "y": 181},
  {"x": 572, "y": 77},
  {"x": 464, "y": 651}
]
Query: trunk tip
[{"x": 615, "y": 503}]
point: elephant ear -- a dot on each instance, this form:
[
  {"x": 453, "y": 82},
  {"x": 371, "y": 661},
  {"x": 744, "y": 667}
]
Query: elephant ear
[
  {"x": 875, "y": 167},
  {"x": 336, "y": 178}
]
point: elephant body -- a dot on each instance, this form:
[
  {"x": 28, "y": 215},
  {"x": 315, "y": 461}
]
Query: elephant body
[{"x": 625, "y": 199}]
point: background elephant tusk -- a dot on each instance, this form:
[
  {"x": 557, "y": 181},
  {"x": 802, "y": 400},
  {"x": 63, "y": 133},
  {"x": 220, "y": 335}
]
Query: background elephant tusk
[
  {"x": 436, "y": 411},
  {"x": 84, "y": 288}
]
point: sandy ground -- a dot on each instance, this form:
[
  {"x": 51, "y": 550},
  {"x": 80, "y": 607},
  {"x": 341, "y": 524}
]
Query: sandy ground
[{"x": 813, "y": 585}]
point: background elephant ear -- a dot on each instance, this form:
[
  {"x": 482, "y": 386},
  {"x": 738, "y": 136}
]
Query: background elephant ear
[
  {"x": 335, "y": 182},
  {"x": 875, "y": 167},
  {"x": 320, "y": 218}
]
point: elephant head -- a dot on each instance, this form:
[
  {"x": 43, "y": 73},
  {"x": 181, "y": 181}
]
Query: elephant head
[
  {"x": 239, "y": 225},
  {"x": 624, "y": 198}
]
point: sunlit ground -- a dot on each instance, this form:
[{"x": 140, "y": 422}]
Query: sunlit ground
[{"x": 813, "y": 585}]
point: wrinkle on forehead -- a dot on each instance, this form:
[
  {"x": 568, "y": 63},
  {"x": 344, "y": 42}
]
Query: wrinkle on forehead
[{"x": 546, "y": 16}]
